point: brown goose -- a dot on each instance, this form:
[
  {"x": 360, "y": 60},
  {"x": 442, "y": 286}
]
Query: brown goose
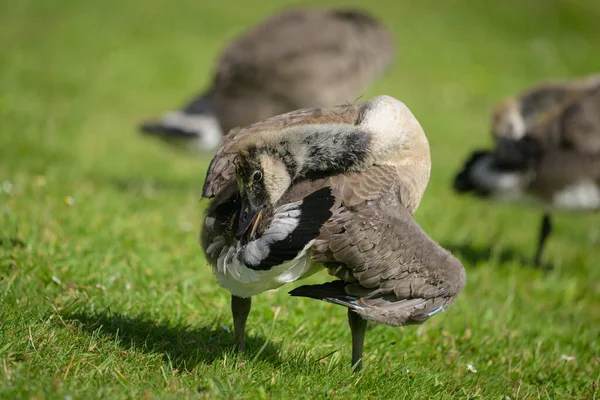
[
  {"x": 515, "y": 116},
  {"x": 555, "y": 165},
  {"x": 295, "y": 59},
  {"x": 333, "y": 188}
]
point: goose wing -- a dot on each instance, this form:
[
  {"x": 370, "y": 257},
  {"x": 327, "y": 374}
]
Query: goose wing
[
  {"x": 392, "y": 272},
  {"x": 561, "y": 169},
  {"x": 579, "y": 124},
  {"x": 571, "y": 126}
]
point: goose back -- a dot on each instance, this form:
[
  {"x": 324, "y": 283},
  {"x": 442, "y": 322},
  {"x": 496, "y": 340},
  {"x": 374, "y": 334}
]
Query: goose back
[
  {"x": 297, "y": 59},
  {"x": 574, "y": 126},
  {"x": 515, "y": 116}
]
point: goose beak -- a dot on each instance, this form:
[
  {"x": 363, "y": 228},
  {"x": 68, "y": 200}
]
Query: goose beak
[
  {"x": 254, "y": 226},
  {"x": 249, "y": 217}
]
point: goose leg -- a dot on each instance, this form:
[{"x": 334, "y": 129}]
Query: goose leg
[
  {"x": 358, "y": 327},
  {"x": 240, "y": 308},
  {"x": 545, "y": 230}
]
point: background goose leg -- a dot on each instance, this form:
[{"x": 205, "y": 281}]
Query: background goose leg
[{"x": 545, "y": 230}]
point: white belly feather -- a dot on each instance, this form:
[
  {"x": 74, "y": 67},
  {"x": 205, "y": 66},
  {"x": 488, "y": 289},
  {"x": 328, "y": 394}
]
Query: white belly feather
[
  {"x": 231, "y": 267},
  {"x": 582, "y": 196},
  {"x": 511, "y": 187},
  {"x": 242, "y": 281}
]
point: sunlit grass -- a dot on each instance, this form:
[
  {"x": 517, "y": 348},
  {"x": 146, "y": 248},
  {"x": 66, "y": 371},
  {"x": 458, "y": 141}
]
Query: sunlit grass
[{"x": 104, "y": 291}]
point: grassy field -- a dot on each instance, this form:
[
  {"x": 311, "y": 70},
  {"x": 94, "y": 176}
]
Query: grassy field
[{"x": 104, "y": 292}]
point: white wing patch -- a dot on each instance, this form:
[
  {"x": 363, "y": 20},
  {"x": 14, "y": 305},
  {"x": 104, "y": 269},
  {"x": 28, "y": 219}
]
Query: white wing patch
[
  {"x": 205, "y": 125},
  {"x": 285, "y": 220},
  {"x": 580, "y": 196},
  {"x": 501, "y": 183},
  {"x": 245, "y": 282},
  {"x": 233, "y": 274}
]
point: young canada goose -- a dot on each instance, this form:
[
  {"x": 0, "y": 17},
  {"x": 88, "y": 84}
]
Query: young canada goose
[
  {"x": 555, "y": 165},
  {"x": 333, "y": 188},
  {"x": 295, "y": 59},
  {"x": 515, "y": 116}
]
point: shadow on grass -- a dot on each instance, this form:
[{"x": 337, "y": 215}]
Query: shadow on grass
[
  {"x": 184, "y": 346},
  {"x": 473, "y": 255},
  {"x": 11, "y": 242}
]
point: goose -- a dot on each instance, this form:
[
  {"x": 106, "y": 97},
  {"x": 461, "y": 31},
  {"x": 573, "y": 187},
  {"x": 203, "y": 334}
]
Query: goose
[
  {"x": 554, "y": 166},
  {"x": 295, "y": 59},
  {"x": 331, "y": 188},
  {"x": 514, "y": 116}
]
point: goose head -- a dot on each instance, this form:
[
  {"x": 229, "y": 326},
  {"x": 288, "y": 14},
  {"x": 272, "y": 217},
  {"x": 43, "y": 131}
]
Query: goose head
[
  {"x": 262, "y": 179},
  {"x": 507, "y": 120},
  {"x": 271, "y": 156}
]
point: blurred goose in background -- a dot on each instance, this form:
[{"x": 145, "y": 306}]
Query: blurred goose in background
[
  {"x": 295, "y": 59},
  {"x": 333, "y": 188},
  {"x": 555, "y": 165},
  {"x": 515, "y": 116}
]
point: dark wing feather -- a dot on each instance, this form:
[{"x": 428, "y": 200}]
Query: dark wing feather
[
  {"x": 396, "y": 273},
  {"x": 315, "y": 210},
  {"x": 334, "y": 292}
]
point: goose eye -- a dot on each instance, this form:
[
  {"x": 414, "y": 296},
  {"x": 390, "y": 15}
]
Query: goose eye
[{"x": 257, "y": 176}]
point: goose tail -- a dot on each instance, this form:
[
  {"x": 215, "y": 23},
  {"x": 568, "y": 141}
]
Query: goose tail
[
  {"x": 194, "y": 123},
  {"x": 332, "y": 292}
]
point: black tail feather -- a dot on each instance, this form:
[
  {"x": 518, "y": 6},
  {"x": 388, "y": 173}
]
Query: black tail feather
[
  {"x": 158, "y": 128},
  {"x": 462, "y": 181},
  {"x": 332, "y": 292}
]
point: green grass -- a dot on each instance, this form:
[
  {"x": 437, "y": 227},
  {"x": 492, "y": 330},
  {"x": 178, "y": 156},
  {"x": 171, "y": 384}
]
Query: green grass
[{"x": 110, "y": 297}]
